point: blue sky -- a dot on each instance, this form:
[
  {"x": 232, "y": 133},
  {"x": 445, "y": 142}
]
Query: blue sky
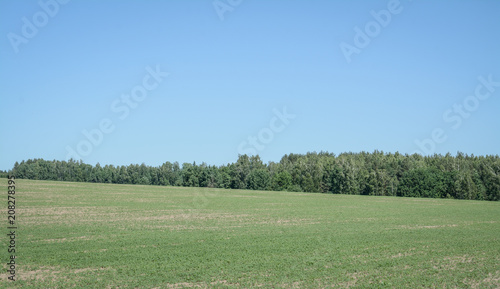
[{"x": 423, "y": 69}]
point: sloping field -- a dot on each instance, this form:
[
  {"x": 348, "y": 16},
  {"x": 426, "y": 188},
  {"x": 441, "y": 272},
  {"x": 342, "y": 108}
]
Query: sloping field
[{"x": 80, "y": 235}]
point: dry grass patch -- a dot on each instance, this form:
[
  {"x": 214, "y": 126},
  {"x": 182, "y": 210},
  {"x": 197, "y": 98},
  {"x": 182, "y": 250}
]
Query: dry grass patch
[
  {"x": 212, "y": 284},
  {"x": 62, "y": 240},
  {"x": 492, "y": 281},
  {"x": 51, "y": 273},
  {"x": 451, "y": 263},
  {"x": 287, "y": 222},
  {"x": 426, "y": 226}
]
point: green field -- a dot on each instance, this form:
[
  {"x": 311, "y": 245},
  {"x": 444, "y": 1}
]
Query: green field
[{"x": 81, "y": 235}]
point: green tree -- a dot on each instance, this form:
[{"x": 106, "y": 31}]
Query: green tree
[
  {"x": 259, "y": 179},
  {"x": 282, "y": 181}
]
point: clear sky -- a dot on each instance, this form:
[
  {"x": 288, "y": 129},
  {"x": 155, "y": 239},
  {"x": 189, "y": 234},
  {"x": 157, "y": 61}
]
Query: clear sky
[{"x": 156, "y": 81}]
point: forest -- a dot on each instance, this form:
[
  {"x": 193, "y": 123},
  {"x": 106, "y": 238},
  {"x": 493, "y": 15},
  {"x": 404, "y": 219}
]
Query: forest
[{"x": 380, "y": 174}]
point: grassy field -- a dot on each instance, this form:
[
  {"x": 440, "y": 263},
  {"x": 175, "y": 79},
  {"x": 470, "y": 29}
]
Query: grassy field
[{"x": 80, "y": 235}]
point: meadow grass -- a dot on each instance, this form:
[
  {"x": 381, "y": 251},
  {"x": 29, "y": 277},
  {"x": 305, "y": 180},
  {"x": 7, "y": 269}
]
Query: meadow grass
[{"x": 82, "y": 235}]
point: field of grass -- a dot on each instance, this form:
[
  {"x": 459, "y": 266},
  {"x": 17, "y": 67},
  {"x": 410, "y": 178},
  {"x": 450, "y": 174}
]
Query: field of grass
[{"x": 81, "y": 235}]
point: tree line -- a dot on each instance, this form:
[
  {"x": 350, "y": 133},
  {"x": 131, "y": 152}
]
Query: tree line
[{"x": 380, "y": 174}]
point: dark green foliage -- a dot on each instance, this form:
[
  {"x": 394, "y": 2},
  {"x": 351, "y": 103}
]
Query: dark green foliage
[
  {"x": 379, "y": 174},
  {"x": 282, "y": 181},
  {"x": 258, "y": 180},
  {"x": 428, "y": 183}
]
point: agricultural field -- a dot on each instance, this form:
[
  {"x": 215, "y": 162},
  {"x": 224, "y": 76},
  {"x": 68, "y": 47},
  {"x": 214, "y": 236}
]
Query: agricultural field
[{"x": 83, "y": 235}]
